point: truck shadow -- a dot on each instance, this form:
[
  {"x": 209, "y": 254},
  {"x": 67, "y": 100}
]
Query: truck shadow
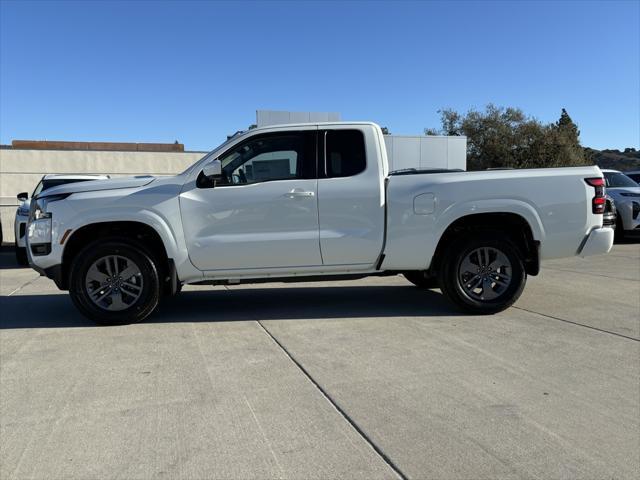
[
  {"x": 8, "y": 258},
  {"x": 243, "y": 304}
]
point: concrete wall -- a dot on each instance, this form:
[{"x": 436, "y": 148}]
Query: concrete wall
[{"x": 20, "y": 170}]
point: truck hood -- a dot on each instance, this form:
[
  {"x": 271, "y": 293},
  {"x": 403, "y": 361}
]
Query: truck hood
[{"x": 97, "y": 185}]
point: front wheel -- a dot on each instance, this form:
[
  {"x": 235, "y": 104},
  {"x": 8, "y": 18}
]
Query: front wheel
[
  {"x": 483, "y": 275},
  {"x": 114, "y": 282}
]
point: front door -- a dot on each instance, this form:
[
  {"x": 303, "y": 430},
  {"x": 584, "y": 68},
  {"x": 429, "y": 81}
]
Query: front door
[{"x": 263, "y": 213}]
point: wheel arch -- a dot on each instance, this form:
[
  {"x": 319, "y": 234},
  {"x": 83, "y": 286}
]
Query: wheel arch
[
  {"x": 514, "y": 225},
  {"x": 144, "y": 234}
]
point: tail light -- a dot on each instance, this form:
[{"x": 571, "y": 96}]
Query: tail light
[{"x": 599, "y": 202}]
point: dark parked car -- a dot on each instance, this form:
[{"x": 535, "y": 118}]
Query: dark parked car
[{"x": 635, "y": 175}]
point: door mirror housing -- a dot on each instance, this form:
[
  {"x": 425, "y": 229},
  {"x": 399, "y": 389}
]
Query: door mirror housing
[
  {"x": 213, "y": 169},
  {"x": 23, "y": 196}
]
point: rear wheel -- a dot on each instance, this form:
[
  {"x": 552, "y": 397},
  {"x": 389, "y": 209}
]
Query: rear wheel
[
  {"x": 114, "y": 282},
  {"x": 483, "y": 274},
  {"x": 421, "y": 278}
]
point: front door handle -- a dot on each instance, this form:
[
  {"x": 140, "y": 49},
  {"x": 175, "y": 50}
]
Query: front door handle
[{"x": 298, "y": 193}]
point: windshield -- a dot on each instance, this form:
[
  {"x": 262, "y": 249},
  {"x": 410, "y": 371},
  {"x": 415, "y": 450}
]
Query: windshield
[
  {"x": 215, "y": 151},
  {"x": 618, "y": 180},
  {"x": 54, "y": 182}
]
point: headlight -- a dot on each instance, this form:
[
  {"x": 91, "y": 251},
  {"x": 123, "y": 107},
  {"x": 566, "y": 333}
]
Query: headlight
[
  {"x": 40, "y": 211},
  {"x": 39, "y": 231},
  {"x": 39, "y": 206},
  {"x": 40, "y": 224},
  {"x": 630, "y": 194}
]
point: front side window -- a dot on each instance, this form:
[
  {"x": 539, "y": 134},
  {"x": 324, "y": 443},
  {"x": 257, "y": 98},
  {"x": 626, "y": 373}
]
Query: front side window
[
  {"x": 345, "y": 153},
  {"x": 269, "y": 157}
]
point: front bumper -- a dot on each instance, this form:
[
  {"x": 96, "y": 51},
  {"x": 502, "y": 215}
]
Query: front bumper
[
  {"x": 45, "y": 256},
  {"x": 625, "y": 211},
  {"x": 20, "y": 230},
  {"x": 599, "y": 240},
  {"x": 54, "y": 273}
]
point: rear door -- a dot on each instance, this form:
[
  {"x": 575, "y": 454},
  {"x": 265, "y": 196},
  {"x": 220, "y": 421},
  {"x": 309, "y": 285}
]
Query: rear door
[{"x": 350, "y": 196}]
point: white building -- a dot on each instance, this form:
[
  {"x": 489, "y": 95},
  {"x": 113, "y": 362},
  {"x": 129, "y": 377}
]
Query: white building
[
  {"x": 277, "y": 117},
  {"x": 426, "y": 152},
  {"x": 403, "y": 151}
]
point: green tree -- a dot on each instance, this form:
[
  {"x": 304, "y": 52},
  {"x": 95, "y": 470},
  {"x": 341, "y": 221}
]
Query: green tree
[
  {"x": 566, "y": 124},
  {"x": 567, "y": 138},
  {"x": 502, "y": 137}
]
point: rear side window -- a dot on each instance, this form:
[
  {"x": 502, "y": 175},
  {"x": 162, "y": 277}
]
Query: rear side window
[{"x": 345, "y": 153}]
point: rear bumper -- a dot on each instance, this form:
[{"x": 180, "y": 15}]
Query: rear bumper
[
  {"x": 609, "y": 220},
  {"x": 599, "y": 240}
]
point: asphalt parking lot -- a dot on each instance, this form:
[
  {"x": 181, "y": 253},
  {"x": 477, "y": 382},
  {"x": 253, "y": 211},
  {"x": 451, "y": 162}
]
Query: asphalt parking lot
[{"x": 363, "y": 379}]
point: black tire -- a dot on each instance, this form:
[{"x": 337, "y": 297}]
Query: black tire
[
  {"x": 21, "y": 256},
  {"x": 421, "y": 279},
  {"x": 450, "y": 277},
  {"x": 149, "y": 295}
]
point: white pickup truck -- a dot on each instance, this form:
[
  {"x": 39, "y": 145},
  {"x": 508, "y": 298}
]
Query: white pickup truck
[{"x": 307, "y": 202}]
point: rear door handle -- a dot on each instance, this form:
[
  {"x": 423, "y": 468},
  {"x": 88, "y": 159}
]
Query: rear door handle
[{"x": 297, "y": 193}]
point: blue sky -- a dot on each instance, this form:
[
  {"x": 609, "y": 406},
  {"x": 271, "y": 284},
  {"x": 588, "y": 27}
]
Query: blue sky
[{"x": 196, "y": 71}]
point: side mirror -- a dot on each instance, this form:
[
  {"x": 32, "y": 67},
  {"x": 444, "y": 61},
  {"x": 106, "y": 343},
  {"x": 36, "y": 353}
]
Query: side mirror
[
  {"x": 23, "y": 196},
  {"x": 213, "y": 169}
]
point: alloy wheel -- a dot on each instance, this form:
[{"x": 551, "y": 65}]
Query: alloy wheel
[
  {"x": 114, "y": 282},
  {"x": 485, "y": 273}
]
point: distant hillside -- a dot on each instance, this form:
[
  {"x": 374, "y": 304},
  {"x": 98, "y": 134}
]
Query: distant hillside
[{"x": 615, "y": 159}]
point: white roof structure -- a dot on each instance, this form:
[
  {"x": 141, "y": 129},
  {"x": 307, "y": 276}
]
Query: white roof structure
[{"x": 265, "y": 118}]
